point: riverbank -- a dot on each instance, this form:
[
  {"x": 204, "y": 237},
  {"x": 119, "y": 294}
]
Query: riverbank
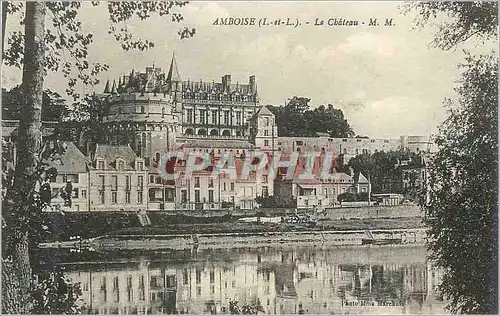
[
  {"x": 61, "y": 227},
  {"x": 242, "y": 239}
]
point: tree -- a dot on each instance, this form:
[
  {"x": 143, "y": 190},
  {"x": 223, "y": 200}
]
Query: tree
[
  {"x": 38, "y": 50},
  {"x": 462, "y": 175},
  {"x": 464, "y": 20},
  {"x": 296, "y": 119},
  {"x": 53, "y": 105},
  {"x": 462, "y": 192}
]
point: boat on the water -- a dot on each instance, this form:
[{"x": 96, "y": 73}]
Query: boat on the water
[{"x": 384, "y": 241}]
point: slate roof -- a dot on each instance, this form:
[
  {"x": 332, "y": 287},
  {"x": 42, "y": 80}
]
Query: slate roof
[
  {"x": 111, "y": 152},
  {"x": 71, "y": 161},
  {"x": 264, "y": 111}
]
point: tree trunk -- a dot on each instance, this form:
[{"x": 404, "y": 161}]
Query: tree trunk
[
  {"x": 16, "y": 296},
  {"x": 4, "y": 21}
]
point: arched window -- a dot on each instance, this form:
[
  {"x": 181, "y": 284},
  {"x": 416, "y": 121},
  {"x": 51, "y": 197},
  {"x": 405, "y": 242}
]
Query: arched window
[
  {"x": 157, "y": 157},
  {"x": 226, "y": 133},
  {"x": 143, "y": 110},
  {"x": 143, "y": 139},
  {"x": 202, "y": 132},
  {"x": 214, "y": 132},
  {"x": 188, "y": 131}
]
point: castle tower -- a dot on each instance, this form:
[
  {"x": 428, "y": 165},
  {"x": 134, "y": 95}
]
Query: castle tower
[
  {"x": 174, "y": 80},
  {"x": 264, "y": 131}
]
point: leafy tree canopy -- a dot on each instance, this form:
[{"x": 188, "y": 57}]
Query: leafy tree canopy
[
  {"x": 464, "y": 20},
  {"x": 53, "y": 107},
  {"x": 463, "y": 189},
  {"x": 297, "y": 119}
]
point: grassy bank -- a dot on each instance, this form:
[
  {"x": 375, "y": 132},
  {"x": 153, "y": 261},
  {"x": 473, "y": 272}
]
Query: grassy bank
[
  {"x": 88, "y": 225},
  {"x": 239, "y": 227}
]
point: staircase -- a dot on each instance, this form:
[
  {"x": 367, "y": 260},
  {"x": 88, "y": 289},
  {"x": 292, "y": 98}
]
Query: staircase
[{"x": 144, "y": 219}]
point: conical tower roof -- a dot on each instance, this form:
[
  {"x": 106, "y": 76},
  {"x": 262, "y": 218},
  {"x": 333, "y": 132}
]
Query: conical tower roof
[
  {"x": 113, "y": 89},
  {"x": 106, "y": 89},
  {"x": 173, "y": 72}
]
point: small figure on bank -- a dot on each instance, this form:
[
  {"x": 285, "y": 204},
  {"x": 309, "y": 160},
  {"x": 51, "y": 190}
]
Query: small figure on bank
[{"x": 68, "y": 190}]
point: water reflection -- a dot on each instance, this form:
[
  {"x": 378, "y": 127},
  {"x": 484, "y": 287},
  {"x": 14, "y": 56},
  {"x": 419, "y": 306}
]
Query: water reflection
[{"x": 283, "y": 280}]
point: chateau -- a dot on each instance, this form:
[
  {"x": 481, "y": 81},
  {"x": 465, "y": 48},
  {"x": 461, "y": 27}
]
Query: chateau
[{"x": 144, "y": 114}]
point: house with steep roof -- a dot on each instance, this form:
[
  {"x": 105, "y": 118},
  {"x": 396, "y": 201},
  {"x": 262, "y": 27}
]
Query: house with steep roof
[
  {"x": 72, "y": 167},
  {"x": 117, "y": 180},
  {"x": 316, "y": 187}
]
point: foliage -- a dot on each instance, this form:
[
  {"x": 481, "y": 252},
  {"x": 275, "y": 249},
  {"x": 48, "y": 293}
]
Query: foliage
[
  {"x": 53, "y": 105},
  {"x": 353, "y": 197},
  {"x": 296, "y": 119},
  {"x": 385, "y": 169},
  {"x": 463, "y": 189},
  {"x": 465, "y": 20},
  {"x": 246, "y": 309},
  {"x": 59, "y": 46},
  {"x": 272, "y": 202},
  {"x": 66, "y": 44},
  {"x": 463, "y": 174},
  {"x": 55, "y": 294},
  {"x": 347, "y": 197}
]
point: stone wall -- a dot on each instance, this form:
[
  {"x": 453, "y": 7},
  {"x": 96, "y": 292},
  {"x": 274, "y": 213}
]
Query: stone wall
[{"x": 375, "y": 212}]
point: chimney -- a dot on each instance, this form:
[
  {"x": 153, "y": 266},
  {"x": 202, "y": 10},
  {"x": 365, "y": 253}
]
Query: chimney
[
  {"x": 251, "y": 83},
  {"x": 226, "y": 83}
]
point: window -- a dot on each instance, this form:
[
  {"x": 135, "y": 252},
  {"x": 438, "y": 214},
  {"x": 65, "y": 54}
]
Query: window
[
  {"x": 75, "y": 193},
  {"x": 363, "y": 189},
  {"x": 198, "y": 276},
  {"x": 127, "y": 183},
  {"x": 197, "y": 196},
  {"x": 114, "y": 183},
  {"x": 264, "y": 178},
  {"x": 266, "y": 132},
  {"x": 114, "y": 197},
  {"x": 197, "y": 182},
  {"x": 224, "y": 186},
  {"x": 151, "y": 179},
  {"x": 84, "y": 194},
  {"x": 100, "y": 165},
  {"x": 184, "y": 196},
  {"x": 139, "y": 197},
  {"x": 226, "y": 117},
  {"x": 210, "y": 183},
  {"x": 232, "y": 186},
  {"x": 214, "y": 117},
  {"x": 203, "y": 116},
  {"x": 238, "y": 118},
  {"x": 210, "y": 195},
  {"x": 121, "y": 165},
  {"x": 140, "y": 165},
  {"x": 325, "y": 192},
  {"x": 189, "y": 114},
  {"x": 185, "y": 277},
  {"x": 140, "y": 183},
  {"x": 101, "y": 182},
  {"x": 266, "y": 142},
  {"x": 101, "y": 197},
  {"x": 212, "y": 277},
  {"x": 127, "y": 197},
  {"x": 265, "y": 191}
]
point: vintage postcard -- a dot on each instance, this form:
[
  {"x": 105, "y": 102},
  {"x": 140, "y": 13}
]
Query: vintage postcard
[{"x": 176, "y": 157}]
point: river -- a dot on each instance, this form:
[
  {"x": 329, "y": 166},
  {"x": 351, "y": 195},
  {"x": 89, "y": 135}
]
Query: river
[{"x": 281, "y": 279}]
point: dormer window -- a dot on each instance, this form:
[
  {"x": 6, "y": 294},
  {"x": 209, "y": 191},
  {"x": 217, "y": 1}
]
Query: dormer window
[
  {"x": 100, "y": 165},
  {"x": 120, "y": 164},
  {"x": 139, "y": 165}
]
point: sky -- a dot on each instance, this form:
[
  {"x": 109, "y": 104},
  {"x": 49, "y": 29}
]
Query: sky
[{"x": 387, "y": 79}]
